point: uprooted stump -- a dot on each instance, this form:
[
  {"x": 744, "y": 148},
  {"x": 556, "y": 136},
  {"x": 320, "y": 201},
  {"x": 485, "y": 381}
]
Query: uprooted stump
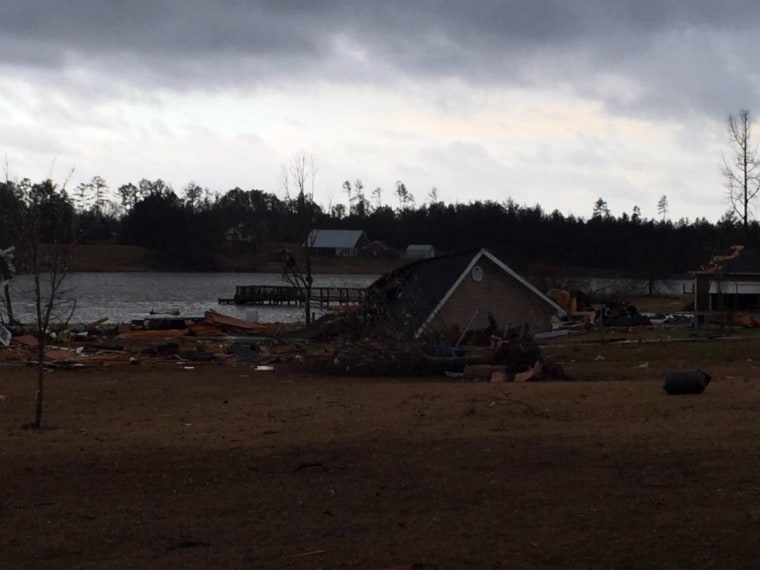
[{"x": 517, "y": 353}]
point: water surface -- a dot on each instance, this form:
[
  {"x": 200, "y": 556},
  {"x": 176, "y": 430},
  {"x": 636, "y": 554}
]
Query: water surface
[{"x": 123, "y": 297}]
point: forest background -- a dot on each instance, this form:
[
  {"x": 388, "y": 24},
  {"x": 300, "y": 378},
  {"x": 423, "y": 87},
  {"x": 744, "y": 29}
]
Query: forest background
[{"x": 190, "y": 230}]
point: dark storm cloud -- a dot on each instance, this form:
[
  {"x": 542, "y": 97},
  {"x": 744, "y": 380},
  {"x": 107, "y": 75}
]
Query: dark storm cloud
[{"x": 678, "y": 54}]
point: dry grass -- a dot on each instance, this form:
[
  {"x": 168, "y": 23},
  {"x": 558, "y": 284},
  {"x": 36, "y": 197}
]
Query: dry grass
[{"x": 227, "y": 467}]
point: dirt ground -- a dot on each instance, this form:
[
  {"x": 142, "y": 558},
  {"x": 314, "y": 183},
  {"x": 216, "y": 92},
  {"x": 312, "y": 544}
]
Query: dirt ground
[{"x": 222, "y": 466}]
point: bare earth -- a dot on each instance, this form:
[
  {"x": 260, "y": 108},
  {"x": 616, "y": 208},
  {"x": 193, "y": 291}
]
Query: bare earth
[{"x": 224, "y": 467}]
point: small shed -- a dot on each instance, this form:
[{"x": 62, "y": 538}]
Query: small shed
[
  {"x": 237, "y": 233},
  {"x": 420, "y": 251},
  {"x": 337, "y": 243},
  {"x": 380, "y": 250},
  {"x": 458, "y": 291}
]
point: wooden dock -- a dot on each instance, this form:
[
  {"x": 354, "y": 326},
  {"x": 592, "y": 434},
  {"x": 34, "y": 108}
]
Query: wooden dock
[{"x": 286, "y": 295}]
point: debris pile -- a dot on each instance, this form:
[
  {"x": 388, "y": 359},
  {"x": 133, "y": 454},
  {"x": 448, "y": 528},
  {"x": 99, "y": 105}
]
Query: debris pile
[
  {"x": 338, "y": 344},
  {"x": 372, "y": 357},
  {"x": 621, "y": 314},
  {"x": 336, "y": 347},
  {"x": 521, "y": 360},
  {"x": 720, "y": 263},
  {"x": 215, "y": 338}
]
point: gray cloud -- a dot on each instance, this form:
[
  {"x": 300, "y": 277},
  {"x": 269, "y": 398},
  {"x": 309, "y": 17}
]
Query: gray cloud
[
  {"x": 687, "y": 54},
  {"x": 684, "y": 62}
]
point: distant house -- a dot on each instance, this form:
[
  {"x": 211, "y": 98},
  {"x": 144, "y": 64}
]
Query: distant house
[
  {"x": 338, "y": 243},
  {"x": 728, "y": 282},
  {"x": 420, "y": 251},
  {"x": 237, "y": 233},
  {"x": 379, "y": 249},
  {"x": 458, "y": 291}
]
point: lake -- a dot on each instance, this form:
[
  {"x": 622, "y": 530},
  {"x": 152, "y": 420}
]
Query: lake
[{"x": 123, "y": 297}]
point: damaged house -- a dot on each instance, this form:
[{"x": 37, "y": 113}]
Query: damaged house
[
  {"x": 728, "y": 282},
  {"x": 456, "y": 293}
]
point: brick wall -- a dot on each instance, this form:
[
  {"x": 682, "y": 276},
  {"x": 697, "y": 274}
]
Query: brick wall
[{"x": 498, "y": 293}]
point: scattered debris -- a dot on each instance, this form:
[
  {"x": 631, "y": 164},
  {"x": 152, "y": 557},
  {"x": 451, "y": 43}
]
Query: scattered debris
[
  {"x": 27, "y": 340},
  {"x": 227, "y": 323},
  {"x": 621, "y": 314},
  {"x": 573, "y": 301},
  {"x": 310, "y": 553},
  {"x": 532, "y": 373},
  {"x": 179, "y": 339},
  {"x": 5, "y": 336},
  {"x": 456, "y": 370},
  {"x": 498, "y": 376},
  {"x": 165, "y": 312},
  {"x": 245, "y": 351},
  {"x": 518, "y": 351}
]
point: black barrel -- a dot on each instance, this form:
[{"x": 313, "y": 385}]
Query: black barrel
[{"x": 687, "y": 382}]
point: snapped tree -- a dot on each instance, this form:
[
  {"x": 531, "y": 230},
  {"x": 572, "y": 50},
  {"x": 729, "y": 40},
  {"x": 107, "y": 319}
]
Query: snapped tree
[
  {"x": 662, "y": 207},
  {"x": 7, "y": 271},
  {"x": 11, "y": 215},
  {"x": 742, "y": 170}
]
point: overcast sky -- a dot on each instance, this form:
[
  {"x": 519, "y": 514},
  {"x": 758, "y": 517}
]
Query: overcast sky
[{"x": 555, "y": 102}]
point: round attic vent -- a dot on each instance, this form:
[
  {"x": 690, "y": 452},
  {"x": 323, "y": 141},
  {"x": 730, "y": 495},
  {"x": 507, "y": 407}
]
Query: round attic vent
[{"x": 477, "y": 274}]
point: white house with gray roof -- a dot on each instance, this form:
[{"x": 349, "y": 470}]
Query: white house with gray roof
[{"x": 338, "y": 243}]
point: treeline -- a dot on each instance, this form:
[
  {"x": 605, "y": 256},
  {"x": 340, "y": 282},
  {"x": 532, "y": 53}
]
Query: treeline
[{"x": 187, "y": 229}]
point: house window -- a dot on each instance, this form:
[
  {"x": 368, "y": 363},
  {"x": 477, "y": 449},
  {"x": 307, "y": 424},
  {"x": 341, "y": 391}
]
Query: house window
[{"x": 477, "y": 274}]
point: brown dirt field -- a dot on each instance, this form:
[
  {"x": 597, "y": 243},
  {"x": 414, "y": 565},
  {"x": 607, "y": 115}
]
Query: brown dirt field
[{"x": 221, "y": 466}]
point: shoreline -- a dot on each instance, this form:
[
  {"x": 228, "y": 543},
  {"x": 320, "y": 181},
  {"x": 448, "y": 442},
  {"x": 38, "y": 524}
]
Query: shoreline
[{"x": 113, "y": 258}]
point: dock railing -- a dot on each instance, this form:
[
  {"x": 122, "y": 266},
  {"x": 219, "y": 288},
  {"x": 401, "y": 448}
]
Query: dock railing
[{"x": 286, "y": 295}]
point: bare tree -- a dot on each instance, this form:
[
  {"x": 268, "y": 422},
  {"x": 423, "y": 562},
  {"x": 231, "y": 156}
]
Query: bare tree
[
  {"x": 405, "y": 198},
  {"x": 100, "y": 190},
  {"x": 45, "y": 251},
  {"x": 662, "y": 207},
  {"x": 362, "y": 208},
  {"x": 347, "y": 187},
  {"x": 742, "y": 170},
  {"x": 301, "y": 173},
  {"x": 377, "y": 194}
]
